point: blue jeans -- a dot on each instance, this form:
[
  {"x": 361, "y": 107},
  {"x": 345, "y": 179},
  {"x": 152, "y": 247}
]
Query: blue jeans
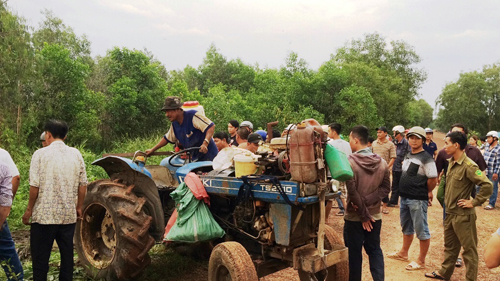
[
  {"x": 413, "y": 217},
  {"x": 14, "y": 270},
  {"x": 493, "y": 197},
  {"x": 339, "y": 203},
  {"x": 356, "y": 238}
]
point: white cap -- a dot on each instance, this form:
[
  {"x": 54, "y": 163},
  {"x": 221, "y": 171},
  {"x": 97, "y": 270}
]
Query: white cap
[
  {"x": 246, "y": 124},
  {"x": 42, "y": 136},
  {"x": 428, "y": 130},
  {"x": 399, "y": 129},
  {"x": 492, "y": 134}
]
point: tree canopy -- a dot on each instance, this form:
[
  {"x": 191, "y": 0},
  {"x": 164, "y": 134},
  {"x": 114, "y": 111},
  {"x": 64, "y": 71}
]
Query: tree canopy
[{"x": 48, "y": 73}]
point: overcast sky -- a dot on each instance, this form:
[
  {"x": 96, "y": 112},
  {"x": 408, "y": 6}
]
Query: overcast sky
[{"x": 450, "y": 36}]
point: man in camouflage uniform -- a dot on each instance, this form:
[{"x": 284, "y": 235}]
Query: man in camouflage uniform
[{"x": 460, "y": 223}]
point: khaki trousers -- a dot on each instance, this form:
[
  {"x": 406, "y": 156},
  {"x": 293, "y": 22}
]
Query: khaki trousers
[{"x": 460, "y": 231}]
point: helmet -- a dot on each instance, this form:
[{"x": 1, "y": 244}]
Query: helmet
[
  {"x": 428, "y": 130},
  {"x": 492, "y": 134},
  {"x": 262, "y": 133},
  {"x": 246, "y": 124},
  {"x": 399, "y": 129},
  {"x": 416, "y": 131}
]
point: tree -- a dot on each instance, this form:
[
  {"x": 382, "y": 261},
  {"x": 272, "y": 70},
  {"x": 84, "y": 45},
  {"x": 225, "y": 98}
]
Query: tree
[
  {"x": 53, "y": 31},
  {"x": 59, "y": 92},
  {"x": 355, "y": 106},
  {"x": 473, "y": 100},
  {"x": 462, "y": 102},
  {"x": 16, "y": 61},
  {"x": 388, "y": 73},
  {"x": 135, "y": 90}
]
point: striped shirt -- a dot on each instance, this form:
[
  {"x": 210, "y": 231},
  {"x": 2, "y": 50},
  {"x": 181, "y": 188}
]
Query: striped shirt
[{"x": 492, "y": 159}]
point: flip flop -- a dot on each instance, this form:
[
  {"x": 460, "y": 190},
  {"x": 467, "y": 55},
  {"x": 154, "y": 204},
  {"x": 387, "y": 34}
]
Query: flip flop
[
  {"x": 414, "y": 266},
  {"x": 459, "y": 262},
  {"x": 434, "y": 275},
  {"x": 396, "y": 256}
]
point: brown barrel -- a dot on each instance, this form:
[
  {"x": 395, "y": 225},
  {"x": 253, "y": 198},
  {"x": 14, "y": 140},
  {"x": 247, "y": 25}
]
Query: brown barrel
[{"x": 302, "y": 159}]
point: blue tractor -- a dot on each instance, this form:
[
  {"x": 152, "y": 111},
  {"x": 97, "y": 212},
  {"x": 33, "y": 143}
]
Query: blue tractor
[{"x": 276, "y": 223}]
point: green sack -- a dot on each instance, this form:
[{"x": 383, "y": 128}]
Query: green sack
[
  {"x": 440, "y": 192},
  {"x": 337, "y": 162},
  {"x": 194, "y": 220}
]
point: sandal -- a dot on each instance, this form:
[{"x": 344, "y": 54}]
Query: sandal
[
  {"x": 414, "y": 266},
  {"x": 396, "y": 256},
  {"x": 434, "y": 275},
  {"x": 459, "y": 262},
  {"x": 340, "y": 213}
]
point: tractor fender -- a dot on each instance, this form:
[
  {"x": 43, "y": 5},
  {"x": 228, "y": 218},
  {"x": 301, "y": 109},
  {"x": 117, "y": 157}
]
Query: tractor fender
[{"x": 119, "y": 168}]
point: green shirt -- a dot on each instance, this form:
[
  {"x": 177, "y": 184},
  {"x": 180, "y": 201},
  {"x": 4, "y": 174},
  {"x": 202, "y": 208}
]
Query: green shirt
[{"x": 463, "y": 175}]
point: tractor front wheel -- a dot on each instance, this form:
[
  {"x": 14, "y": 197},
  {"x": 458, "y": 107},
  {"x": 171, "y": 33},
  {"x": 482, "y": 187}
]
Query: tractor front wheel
[
  {"x": 112, "y": 239},
  {"x": 336, "y": 272},
  {"x": 230, "y": 261}
]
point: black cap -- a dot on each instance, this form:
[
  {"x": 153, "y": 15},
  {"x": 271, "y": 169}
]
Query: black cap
[
  {"x": 254, "y": 138},
  {"x": 382, "y": 128},
  {"x": 172, "y": 102}
]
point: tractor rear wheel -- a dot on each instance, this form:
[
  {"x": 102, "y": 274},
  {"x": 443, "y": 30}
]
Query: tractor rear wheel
[
  {"x": 230, "y": 261},
  {"x": 336, "y": 272},
  {"x": 112, "y": 239}
]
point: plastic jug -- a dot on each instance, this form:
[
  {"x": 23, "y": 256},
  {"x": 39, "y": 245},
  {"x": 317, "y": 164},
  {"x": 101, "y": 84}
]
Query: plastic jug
[
  {"x": 302, "y": 158},
  {"x": 194, "y": 105},
  {"x": 337, "y": 162},
  {"x": 244, "y": 165}
]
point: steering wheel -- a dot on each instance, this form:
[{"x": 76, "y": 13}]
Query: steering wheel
[{"x": 188, "y": 160}]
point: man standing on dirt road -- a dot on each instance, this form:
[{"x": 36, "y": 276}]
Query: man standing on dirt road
[
  {"x": 418, "y": 179},
  {"x": 402, "y": 148},
  {"x": 363, "y": 219},
  {"x": 8, "y": 255},
  {"x": 58, "y": 183},
  {"x": 190, "y": 128},
  {"x": 460, "y": 223},
  {"x": 385, "y": 149}
]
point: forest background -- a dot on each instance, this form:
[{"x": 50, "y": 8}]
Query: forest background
[{"x": 112, "y": 103}]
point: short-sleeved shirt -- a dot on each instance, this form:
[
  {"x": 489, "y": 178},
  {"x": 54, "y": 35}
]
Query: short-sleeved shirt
[
  {"x": 57, "y": 171},
  {"x": 341, "y": 145},
  {"x": 430, "y": 148},
  {"x": 492, "y": 159},
  {"x": 402, "y": 148},
  {"x": 191, "y": 133},
  {"x": 5, "y": 186},
  {"x": 385, "y": 149},
  {"x": 7, "y": 160},
  {"x": 417, "y": 169},
  {"x": 472, "y": 152}
]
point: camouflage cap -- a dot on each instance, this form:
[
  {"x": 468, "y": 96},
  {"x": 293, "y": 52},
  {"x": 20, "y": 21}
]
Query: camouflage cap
[{"x": 172, "y": 102}]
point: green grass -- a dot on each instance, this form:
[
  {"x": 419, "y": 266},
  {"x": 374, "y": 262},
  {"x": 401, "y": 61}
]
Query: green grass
[{"x": 165, "y": 263}]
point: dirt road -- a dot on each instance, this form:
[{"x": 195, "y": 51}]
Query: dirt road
[{"x": 391, "y": 240}]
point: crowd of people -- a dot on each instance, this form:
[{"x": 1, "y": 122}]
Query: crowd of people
[{"x": 401, "y": 169}]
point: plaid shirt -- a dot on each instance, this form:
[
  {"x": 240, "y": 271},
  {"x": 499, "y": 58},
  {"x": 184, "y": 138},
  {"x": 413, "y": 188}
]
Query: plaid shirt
[{"x": 492, "y": 158}]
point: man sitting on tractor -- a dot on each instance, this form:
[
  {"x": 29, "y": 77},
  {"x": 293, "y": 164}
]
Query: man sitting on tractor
[{"x": 190, "y": 128}]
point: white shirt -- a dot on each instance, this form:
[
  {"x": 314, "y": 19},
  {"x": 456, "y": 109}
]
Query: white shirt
[
  {"x": 7, "y": 160},
  {"x": 57, "y": 170},
  {"x": 341, "y": 145}
]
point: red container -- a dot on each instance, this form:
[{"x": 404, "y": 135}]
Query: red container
[{"x": 302, "y": 160}]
